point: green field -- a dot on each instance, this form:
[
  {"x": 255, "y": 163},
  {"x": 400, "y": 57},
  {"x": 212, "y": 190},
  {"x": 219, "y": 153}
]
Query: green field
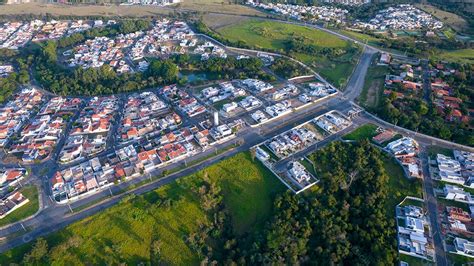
[
  {"x": 413, "y": 261},
  {"x": 366, "y": 131},
  {"x": 372, "y": 92},
  {"x": 271, "y": 35},
  {"x": 31, "y": 193},
  {"x": 461, "y": 56},
  {"x": 369, "y": 39},
  {"x": 126, "y": 232}
]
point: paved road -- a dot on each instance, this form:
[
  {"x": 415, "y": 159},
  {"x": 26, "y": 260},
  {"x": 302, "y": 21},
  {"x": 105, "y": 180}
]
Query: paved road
[
  {"x": 356, "y": 82},
  {"x": 59, "y": 216},
  {"x": 426, "y": 80},
  {"x": 56, "y": 217},
  {"x": 431, "y": 205}
]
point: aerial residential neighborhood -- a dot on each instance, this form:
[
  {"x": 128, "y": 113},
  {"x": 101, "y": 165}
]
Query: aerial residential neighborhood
[
  {"x": 184, "y": 132},
  {"x": 402, "y": 17}
]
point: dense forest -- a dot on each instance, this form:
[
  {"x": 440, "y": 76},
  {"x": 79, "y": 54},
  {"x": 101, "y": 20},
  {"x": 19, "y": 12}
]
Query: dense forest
[{"x": 20, "y": 76}]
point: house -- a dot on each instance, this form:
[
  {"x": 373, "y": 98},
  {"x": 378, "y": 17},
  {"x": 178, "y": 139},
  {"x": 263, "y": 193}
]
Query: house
[
  {"x": 449, "y": 170},
  {"x": 11, "y": 203},
  {"x": 404, "y": 147},
  {"x": 298, "y": 173},
  {"x": 456, "y": 193},
  {"x": 464, "y": 247}
]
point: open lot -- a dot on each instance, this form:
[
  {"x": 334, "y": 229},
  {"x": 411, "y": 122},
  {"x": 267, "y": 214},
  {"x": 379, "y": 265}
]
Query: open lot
[
  {"x": 276, "y": 35},
  {"x": 459, "y": 56},
  {"x": 273, "y": 35},
  {"x": 168, "y": 214},
  {"x": 366, "y": 131},
  {"x": 372, "y": 91},
  {"x": 217, "y": 21}
]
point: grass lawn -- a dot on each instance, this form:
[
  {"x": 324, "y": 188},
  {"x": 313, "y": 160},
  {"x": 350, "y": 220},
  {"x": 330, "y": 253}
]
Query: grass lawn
[
  {"x": 434, "y": 150},
  {"x": 31, "y": 193},
  {"x": 459, "y": 260},
  {"x": 366, "y": 131},
  {"x": 412, "y": 202},
  {"x": 399, "y": 185},
  {"x": 453, "y": 203},
  {"x": 124, "y": 233},
  {"x": 413, "y": 261},
  {"x": 272, "y": 35},
  {"x": 309, "y": 166},
  {"x": 270, "y": 152}
]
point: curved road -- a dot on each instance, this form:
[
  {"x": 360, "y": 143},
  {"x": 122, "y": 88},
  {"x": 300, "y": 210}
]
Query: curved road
[{"x": 54, "y": 217}]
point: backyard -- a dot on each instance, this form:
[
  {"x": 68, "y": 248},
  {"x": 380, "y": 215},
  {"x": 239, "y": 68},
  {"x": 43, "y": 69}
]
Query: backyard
[{"x": 30, "y": 208}]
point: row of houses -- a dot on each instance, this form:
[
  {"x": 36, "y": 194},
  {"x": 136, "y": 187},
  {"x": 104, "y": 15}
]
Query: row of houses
[
  {"x": 137, "y": 159},
  {"x": 295, "y": 174},
  {"x": 447, "y": 100},
  {"x": 186, "y": 103},
  {"x": 88, "y": 135},
  {"x": 162, "y": 40},
  {"x": 208, "y": 50},
  {"x": 320, "y": 90},
  {"x": 17, "y": 111},
  {"x": 307, "y": 13},
  {"x": 292, "y": 141},
  {"x": 414, "y": 232},
  {"x": 12, "y": 202},
  {"x": 458, "y": 170},
  {"x": 14, "y": 35},
  {"x": 39, "y": 137},
  {"x": 406, "y": 151},
  {"x": 401, "y": 17},
  {"x": 9, "y": 177},
  {"x": 404, "y": 79},
  {"x": 10, "y": 198},
  {"x": 104, "y": 50},
  {"x": 146, "y": 115},
  {"x": 332, "y": 122},
  {"x": 224, "y": 91}
]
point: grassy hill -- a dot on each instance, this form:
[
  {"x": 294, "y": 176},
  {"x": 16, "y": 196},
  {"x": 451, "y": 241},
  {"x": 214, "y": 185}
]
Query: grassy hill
[
  {"x": 275, "y": 36},
  {"x": 129, "y": 231}
]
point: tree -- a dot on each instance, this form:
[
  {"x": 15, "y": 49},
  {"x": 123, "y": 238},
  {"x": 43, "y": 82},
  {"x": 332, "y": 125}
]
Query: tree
[{"x": 38, "y": 254}]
